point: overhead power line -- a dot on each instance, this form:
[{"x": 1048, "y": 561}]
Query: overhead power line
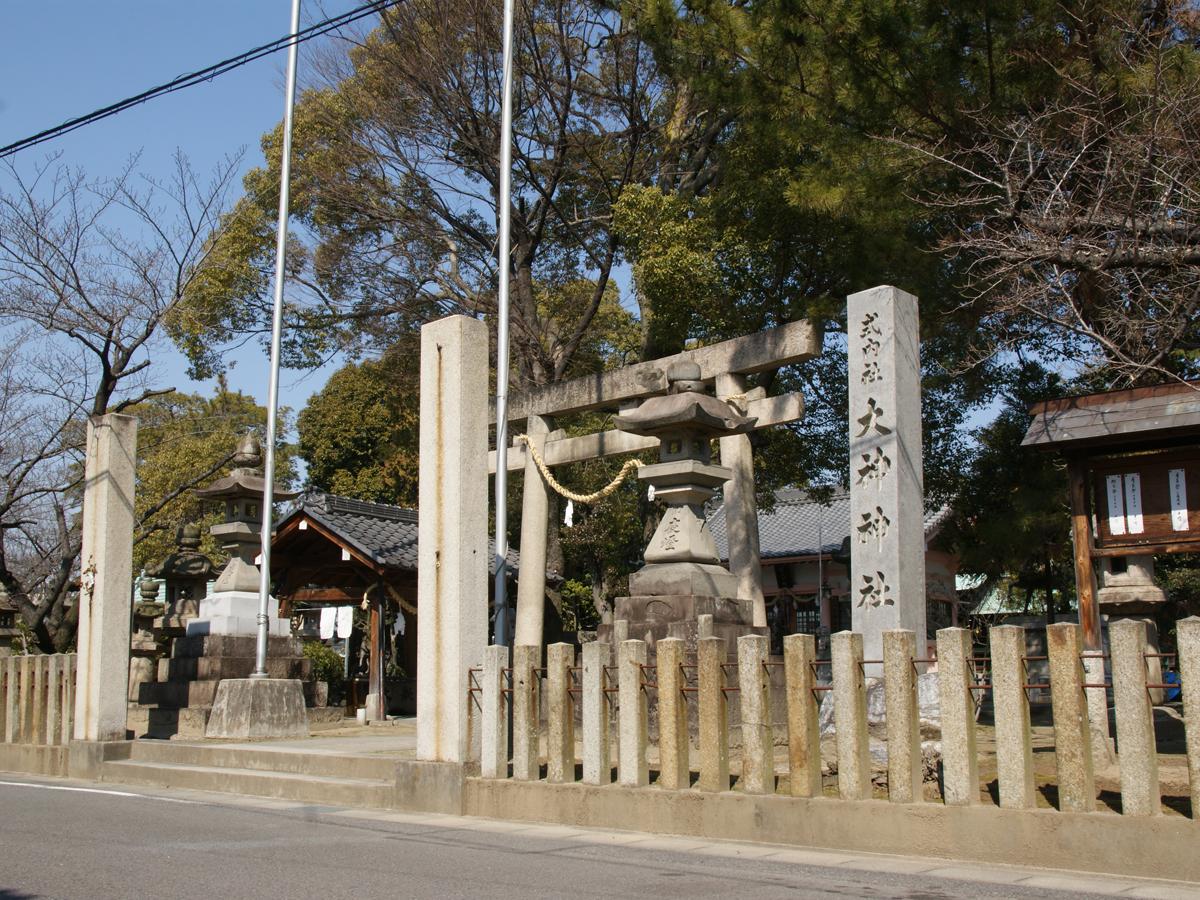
[{"x": 205, "y": 74}]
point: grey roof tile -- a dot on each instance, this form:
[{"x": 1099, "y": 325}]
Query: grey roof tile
[
  {"x": 799, "y": 525},
  {"x": 385, "y": 533}
]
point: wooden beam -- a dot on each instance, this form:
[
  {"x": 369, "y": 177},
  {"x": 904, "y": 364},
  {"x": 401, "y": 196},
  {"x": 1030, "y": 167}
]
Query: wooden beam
[
  {"x": 1081, "y": 533},
  {"x": 1191, "y": 546},
  {"x": 326, "y": 595},
  {"x": 767, "y": 410},
  {"x": 788, "y": 344}
]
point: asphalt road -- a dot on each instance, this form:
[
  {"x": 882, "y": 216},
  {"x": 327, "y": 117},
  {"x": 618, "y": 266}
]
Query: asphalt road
[{"x": 61, "y": 839}]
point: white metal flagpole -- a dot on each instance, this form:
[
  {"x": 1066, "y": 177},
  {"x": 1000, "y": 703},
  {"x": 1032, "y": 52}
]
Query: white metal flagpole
[
  {"x": 501, "y": 541},
  {"x": 285, "y": 172}
]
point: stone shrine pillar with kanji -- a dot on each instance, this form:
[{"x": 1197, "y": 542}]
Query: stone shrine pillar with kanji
[{"x": 886, "y": 481}]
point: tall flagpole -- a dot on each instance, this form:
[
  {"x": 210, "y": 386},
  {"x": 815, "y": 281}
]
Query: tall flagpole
[
  {"x": 285, "y": 172},
  {"x": 502, "y": 636}
]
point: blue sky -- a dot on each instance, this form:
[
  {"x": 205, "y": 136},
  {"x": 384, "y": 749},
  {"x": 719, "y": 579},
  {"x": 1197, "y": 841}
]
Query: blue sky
[{"x": 62, "y": 59}]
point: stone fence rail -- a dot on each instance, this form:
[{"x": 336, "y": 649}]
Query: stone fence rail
[
  {"x": 587, "y": 694},
  {"x": 37, "y": 699}
]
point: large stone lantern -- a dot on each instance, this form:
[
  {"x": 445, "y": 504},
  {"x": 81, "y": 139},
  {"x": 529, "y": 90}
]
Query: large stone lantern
[
  {"x": 232, "y": 608},
  {"x": 683, "y": 576},
  {"x": 240, "y": 534}
]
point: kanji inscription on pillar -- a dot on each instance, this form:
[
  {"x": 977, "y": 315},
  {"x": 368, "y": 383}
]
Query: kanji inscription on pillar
[{"x": 886, "y": 491}]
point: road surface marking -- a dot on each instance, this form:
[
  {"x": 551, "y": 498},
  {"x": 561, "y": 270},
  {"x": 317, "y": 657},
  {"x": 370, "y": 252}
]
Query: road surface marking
[{"x": 82, "y": 790}]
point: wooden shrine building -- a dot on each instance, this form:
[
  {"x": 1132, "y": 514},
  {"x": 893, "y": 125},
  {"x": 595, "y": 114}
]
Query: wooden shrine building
[
  {"x": 1133, "y": 459},
  {"x": 333, "y": 551}
]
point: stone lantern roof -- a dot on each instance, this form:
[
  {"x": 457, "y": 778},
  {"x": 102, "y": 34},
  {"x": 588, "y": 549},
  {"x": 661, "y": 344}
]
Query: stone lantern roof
[
  {"x": 246, "y": 479},
  {"x": 684, "y": 406}
]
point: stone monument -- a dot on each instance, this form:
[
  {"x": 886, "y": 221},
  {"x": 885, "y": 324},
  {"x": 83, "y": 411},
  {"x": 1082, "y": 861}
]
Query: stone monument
[
  {"x": 886, "y": 476},
  {"x": 683, "y": 577}
]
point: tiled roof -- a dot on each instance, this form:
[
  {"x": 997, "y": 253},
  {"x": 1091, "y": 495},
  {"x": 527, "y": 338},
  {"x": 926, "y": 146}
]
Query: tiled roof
[
  {"x": 799, "y": 525},
  {"x": 385, "y": 533}
]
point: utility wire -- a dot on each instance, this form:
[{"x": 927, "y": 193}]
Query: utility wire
[{"x": 206, "y": 74}]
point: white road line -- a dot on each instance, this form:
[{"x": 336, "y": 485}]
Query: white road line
[{"x": 82, "y": 790}]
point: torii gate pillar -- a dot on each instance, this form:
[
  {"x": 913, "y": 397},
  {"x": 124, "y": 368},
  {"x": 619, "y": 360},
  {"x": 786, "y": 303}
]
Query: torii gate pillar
[
  {"x": 452, "y": 552},
  {"x": 741, "y": 510}
]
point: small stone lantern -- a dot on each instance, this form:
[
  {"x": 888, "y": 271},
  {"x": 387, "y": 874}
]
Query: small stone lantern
[
  {"x": 681, "y": 558},
  {"x": 186, "y": 573}
]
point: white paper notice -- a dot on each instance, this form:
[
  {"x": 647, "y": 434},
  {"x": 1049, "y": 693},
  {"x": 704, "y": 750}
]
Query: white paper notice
[
  {"x": 1177, "y": 485},
  {"x": 1133, "y": 502},
  {"x": 1116, "y": 505}
]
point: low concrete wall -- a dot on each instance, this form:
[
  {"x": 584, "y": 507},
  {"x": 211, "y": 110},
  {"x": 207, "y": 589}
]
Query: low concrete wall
[
  {"x": 33, "y": 759},
  {"x": 1160, "y": 847},
  {"x": 430, "y": 787}
]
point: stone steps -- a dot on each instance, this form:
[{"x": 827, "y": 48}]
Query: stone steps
[
  {"x": 189, "y": 723},
  {"x": 233, "y": 645},
  {"x": 153, "y": 722},
  {"x": 307, "y": 788},
  {"x": 313, "y": 763},
  {"x": 187, "y": 694}
]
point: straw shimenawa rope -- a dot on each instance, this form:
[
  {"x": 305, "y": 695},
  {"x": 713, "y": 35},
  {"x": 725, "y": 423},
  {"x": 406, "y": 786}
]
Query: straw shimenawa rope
[{"x": 595, "y": 496}]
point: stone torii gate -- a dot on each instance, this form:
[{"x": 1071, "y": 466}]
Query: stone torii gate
[{"x": 725, "y": 365}]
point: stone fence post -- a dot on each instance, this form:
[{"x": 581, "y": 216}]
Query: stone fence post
[
  {"x": 758, "y": 752},
  {"x": 1072, "y": 731},
  {"x": 525, "y": 705},
  {"x": 1188, "y": 641},
  {"x": 633, "y": 716},
  {"x": 597, "y": 758},
  {"x": 960, "y": 759},
  {"x": 1010, "y": 700},
  {"x": 1138, "y": 755},
  {"x": 494, "y": 720},
  {"x": 674, "y": 769},
  {"x": 905, "y": 769},
  {"x": 713, "y": 715},
  {"x": 804, "y": 728},
  {"x": 560, "y": 714},
  {"x": 850, "y": 716}
]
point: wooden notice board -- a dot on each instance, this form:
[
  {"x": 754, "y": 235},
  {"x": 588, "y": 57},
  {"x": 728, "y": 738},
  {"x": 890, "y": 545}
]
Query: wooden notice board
[{"x": 1147, "y": 502}]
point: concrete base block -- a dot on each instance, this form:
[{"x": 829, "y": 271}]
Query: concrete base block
[
  {"x": 1158, "y": 847},
  {"x": 85, "y": 758},
  {"x": 426, "y": 786},
  {"x": 33, "y": 759},
  {"x": 258, "y": 708}
]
